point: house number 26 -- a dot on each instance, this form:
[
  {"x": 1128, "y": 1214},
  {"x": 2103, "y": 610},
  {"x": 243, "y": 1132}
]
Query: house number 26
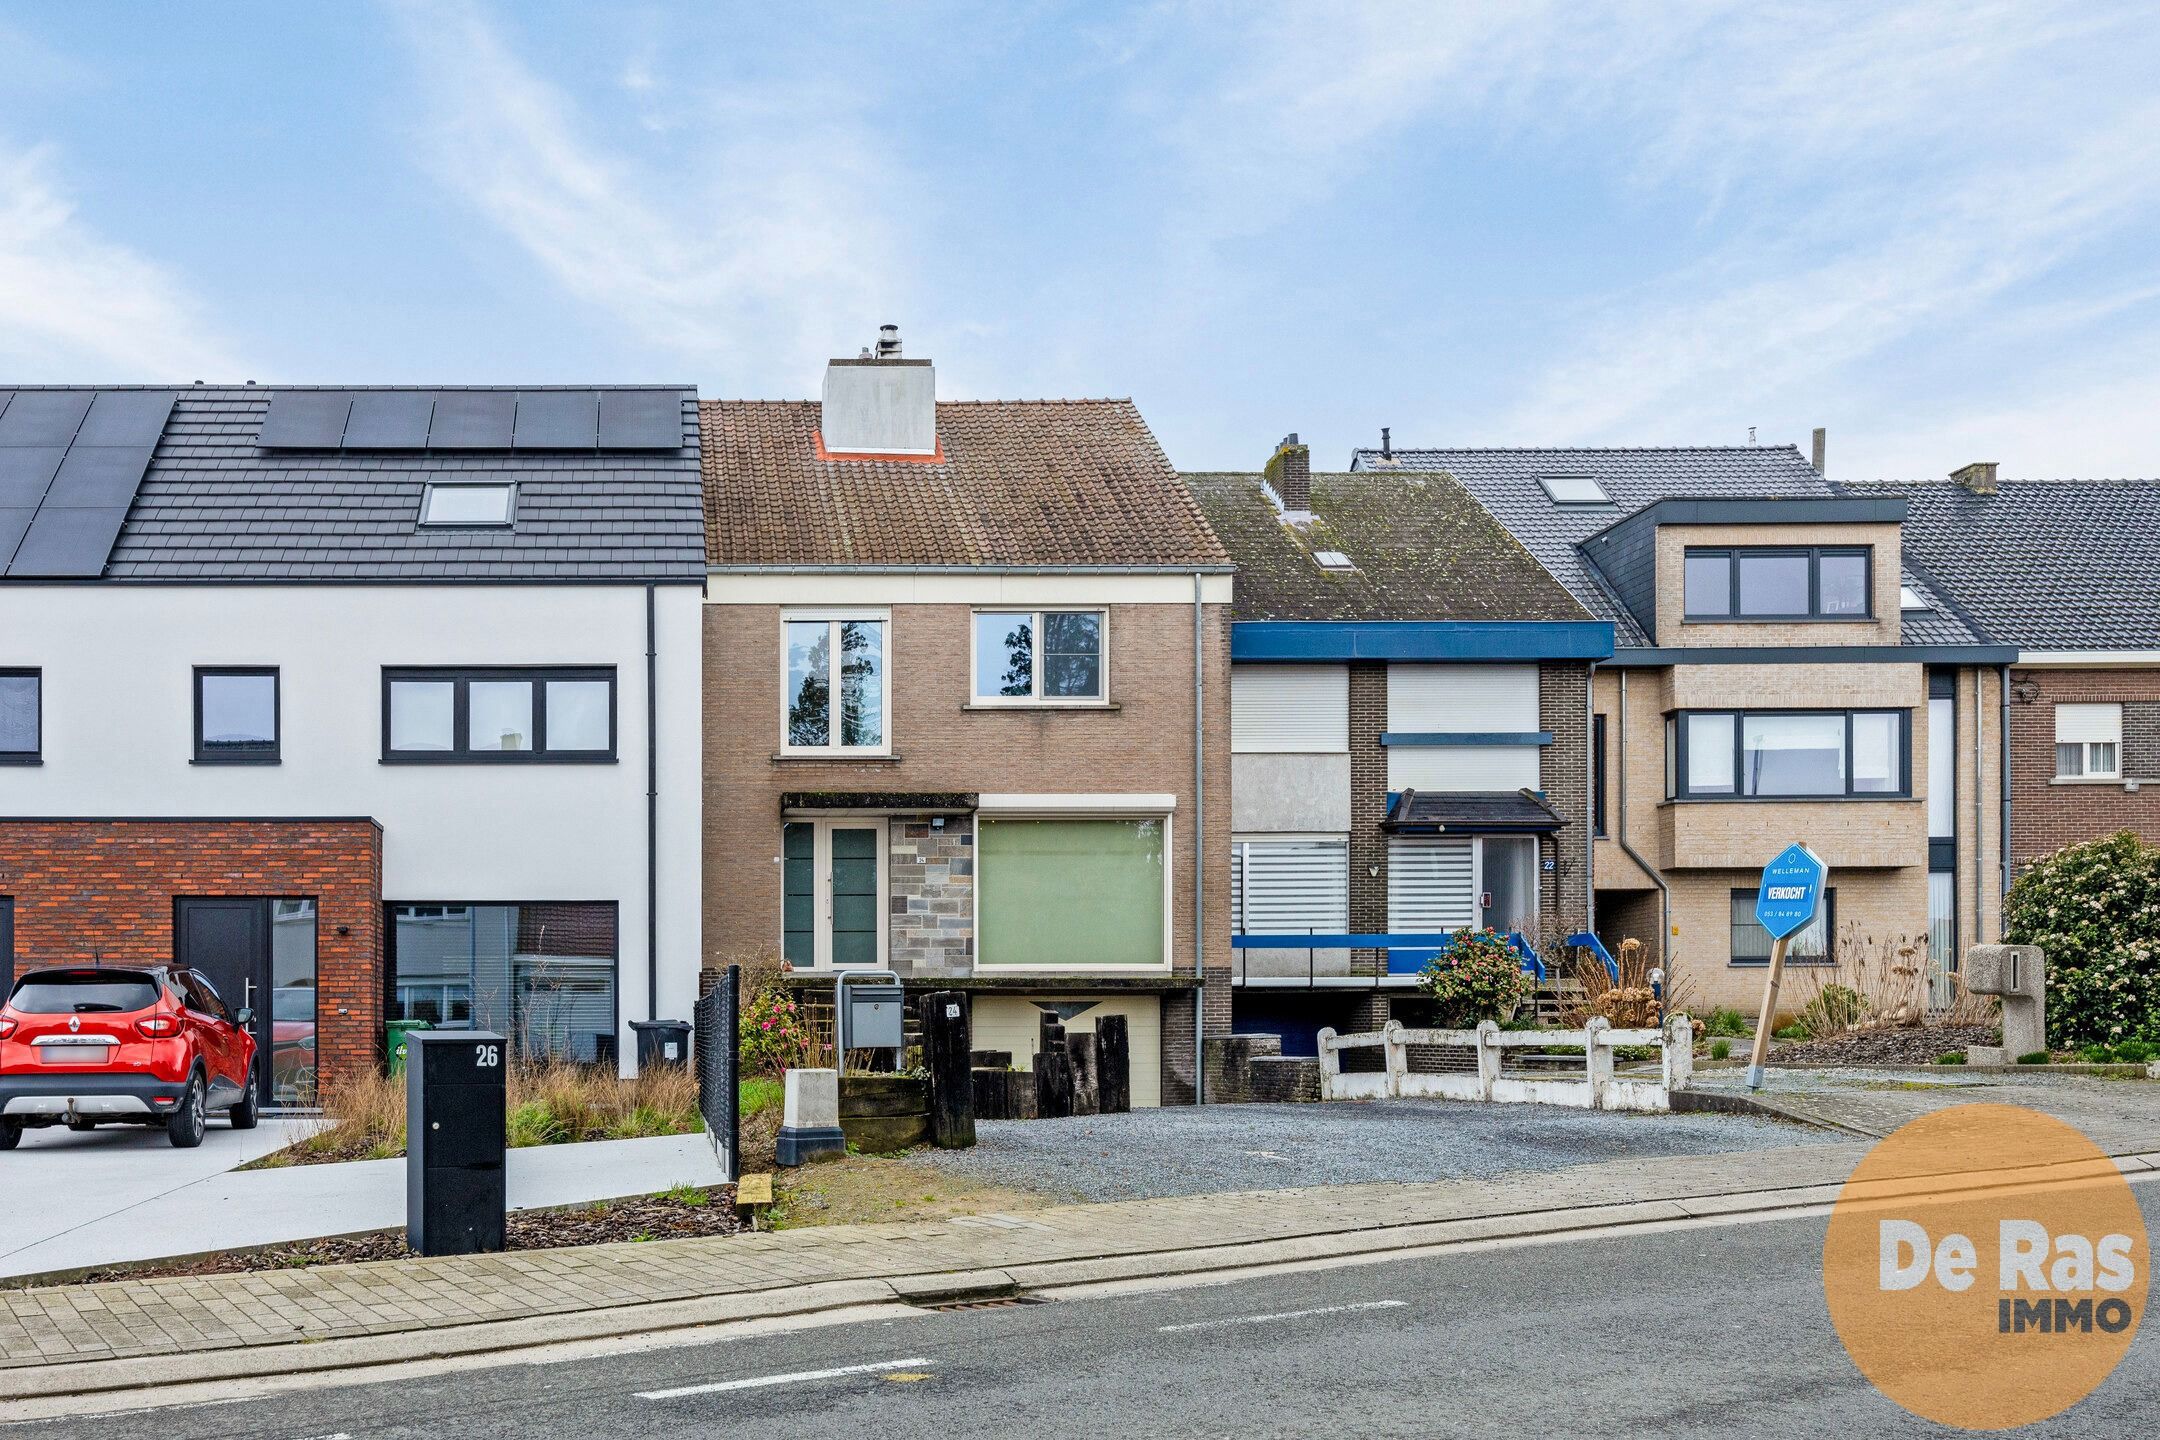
[{"x": 490, "y": 1057}]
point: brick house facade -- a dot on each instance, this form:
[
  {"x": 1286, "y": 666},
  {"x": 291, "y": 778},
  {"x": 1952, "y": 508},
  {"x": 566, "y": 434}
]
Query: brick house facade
[{"x": 2048, "y": 810}]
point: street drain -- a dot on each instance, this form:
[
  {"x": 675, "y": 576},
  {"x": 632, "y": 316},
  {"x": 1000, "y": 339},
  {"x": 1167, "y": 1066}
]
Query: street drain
[{"x": 996, "y": 1302}]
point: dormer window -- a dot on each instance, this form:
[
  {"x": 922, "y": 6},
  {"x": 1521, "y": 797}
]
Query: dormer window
[
  {"x": 1774, "y": 583},
  {"x": 466, "y": 505},
  {"x": 1574, "y": 490}
]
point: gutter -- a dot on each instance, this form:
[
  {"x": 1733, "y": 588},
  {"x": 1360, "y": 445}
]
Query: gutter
[
  {"x": 1589, "y": 883},
  {"x": 2004, "y": 851},
  {"x": 1199, "y": 750},
  {"x": 971, "y": 569},
  {"x": 652, "y": 812},
  {"x": 2086, "y": 659},
  {"x": 1620, "y": 833}
]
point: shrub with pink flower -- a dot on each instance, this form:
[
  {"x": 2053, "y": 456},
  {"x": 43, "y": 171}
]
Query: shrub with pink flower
[
  {"x": 774, "y": 1033},
  {"x": 1478, "y": 977}
]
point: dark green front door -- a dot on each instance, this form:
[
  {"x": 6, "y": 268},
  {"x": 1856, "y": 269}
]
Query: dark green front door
[{"x": 854, "y": 906}]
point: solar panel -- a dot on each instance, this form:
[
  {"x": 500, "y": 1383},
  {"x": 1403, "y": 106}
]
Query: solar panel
[
  {"x": 126, "y": 417},
  {"x": 43, "y": 417},
  {"x": 558, "y": 420},
  {"x": 25, "y": 471},
  {"x": 68, "y": 543},
  {"x": 641, "y": 420},
  {"x": 97, "y": 475},
  {"x": 472, "y": 420},
  {"x": 389, "y": 420},
  {"x": 305, "y": 420},
  {"x": 14, "y": 520}
]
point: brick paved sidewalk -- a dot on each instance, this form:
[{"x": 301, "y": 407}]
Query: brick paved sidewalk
[{"x": 2120, "y": 1116}]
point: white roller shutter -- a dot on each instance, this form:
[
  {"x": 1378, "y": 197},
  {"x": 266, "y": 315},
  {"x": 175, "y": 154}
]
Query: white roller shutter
[
  {"x": 1290, "y": 709},
  {"x": 1290, "y": 887},
  {"x": 2088, "y": 724},
  {"x": 1430, "y": 884},
  {"x": 1462, "y": 699}
]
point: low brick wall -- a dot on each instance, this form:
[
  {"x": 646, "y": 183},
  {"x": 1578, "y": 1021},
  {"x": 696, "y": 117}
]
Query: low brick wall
[{"x": 1252, "y": 1070}]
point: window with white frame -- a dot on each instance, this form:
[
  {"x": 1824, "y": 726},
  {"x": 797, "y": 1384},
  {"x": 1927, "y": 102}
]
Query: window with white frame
[
  {"x": 1290, "y": 886},
  {"x": 2088, "y": 742},
  {"x": 835, "y": 692},
  {"x": 1043, "y": 657}
]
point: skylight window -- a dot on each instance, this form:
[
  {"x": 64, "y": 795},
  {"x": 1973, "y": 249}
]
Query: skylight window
[
  {"x": 1574, "y": 490},
  {"x": 1910, "y": 599},
  {"x": 466, "y": 505},
  {"x": 1332, "y": 560}
]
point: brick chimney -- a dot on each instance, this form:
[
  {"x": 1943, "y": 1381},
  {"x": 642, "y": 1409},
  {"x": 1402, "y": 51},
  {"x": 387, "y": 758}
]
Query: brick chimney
[
  {"x": 1289, "y": 473},
  {"x": 1978, "y": 477}
]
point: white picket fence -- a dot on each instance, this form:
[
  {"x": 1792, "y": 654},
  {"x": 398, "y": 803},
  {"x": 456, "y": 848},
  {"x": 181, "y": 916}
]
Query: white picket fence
[{"x": 1594, "y": 1082}]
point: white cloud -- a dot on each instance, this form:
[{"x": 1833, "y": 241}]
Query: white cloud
[
  {"x": 768, "y": 240},
  {"x": 76, "y": 306}
]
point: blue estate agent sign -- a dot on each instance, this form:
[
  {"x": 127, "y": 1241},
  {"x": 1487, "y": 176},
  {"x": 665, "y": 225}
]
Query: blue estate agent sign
[{"x": 1791, "y": 892}]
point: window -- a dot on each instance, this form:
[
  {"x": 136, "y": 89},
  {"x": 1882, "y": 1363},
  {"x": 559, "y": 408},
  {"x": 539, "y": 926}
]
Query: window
[
  {"x": 543, "y": 974},
  {"x": 1333, "y": 560},
  {"x": 1809, "y": 946},
  {"x": 1290, "y": 887},
  {"x": 1038, "y": 656},
  {"x": 21, "y": 716},
  {"x": 498, "y": 716},
  {"x": 1574, "y": 490},
  {"x": 1072, "y": 892},
  {"x": 1766, "y": 584},
  {"x": 467, "y": 505},
  {"x": 236, "y": 716},
  {"x": 1909, "y": 599},
  {"x": 2088, "y": 742},
  {"x": 1789, "y": 754},
  {"x": 1598, "y": 763},
  {"x": 835, "y": 694}
]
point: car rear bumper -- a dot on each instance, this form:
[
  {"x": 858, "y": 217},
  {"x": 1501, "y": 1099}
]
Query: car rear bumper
[{"x": 64, "y": 1095}]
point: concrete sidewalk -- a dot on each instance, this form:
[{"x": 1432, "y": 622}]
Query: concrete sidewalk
[
  {"x": 131, "y": 1196},
  {"x": 131, "y": 1334},
  {"x": 2118, "y": 1115}
]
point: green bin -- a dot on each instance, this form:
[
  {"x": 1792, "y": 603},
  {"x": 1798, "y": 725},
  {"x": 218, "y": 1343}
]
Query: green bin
[{"x": 394, "y": 1035}]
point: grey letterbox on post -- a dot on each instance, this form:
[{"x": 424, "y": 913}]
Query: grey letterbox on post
[
  {"x": 876, "y": 1018},
  {"x": 455, "y": 1193},
  {"x": 2019, "y": 975}
]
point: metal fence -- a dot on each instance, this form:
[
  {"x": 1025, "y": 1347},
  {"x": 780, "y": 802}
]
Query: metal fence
[{"x": 719, "y": 1097}]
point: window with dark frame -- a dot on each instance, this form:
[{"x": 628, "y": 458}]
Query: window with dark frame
[
  {"x": 22, "y": 719},
  {"x": 1778, "y": 583},
  {"x": 499, "y": 715},
  {"x": 482, "y": 504},
  {"x": 1810, "y": 945},
  {"x": 543, "y": 973},
  {"x": 236, "y": 715},
  {"x": 1598, "y": 764},
  {"x": 1789, "y": 754}
]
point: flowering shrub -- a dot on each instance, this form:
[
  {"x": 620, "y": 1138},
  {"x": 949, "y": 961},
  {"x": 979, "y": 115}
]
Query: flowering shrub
[
  {"x": 2094, "y": 911},
  {"x": 775, "y": 1034},
  {"x": 1479, "y": 977}
]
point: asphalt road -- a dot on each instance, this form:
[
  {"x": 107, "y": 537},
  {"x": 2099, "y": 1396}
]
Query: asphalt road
[{"x": 1708, "y": 1331}]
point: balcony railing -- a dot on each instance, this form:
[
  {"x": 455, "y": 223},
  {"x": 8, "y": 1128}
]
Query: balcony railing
[{"x": 1407, "y": 956}]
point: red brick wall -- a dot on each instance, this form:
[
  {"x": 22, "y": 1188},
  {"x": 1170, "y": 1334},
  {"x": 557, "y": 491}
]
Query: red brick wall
[
  {"x": 2045, "y": 816},
  {"x": 105, "y": 888}
]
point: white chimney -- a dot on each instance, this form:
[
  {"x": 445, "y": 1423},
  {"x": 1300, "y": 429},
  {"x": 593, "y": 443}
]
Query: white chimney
[{"x": 880, "y": 404}]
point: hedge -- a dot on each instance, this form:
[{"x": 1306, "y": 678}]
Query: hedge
[{"x": 2094, "y": 910}]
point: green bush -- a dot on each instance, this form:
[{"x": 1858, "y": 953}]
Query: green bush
[
  {"x": 1951, "y": 1057},
  {"x": 2094, "y": 911},
  {"x": 2129, "y": 1052},
  {"x": 774, "y": 1033},
  {"x": 1479, "y": 977},
  {"x": 2033, "y": 1057},
  {"x": 1834, "y": 1010},
  {"x": 1721, "y": 1049},
  {"x": 1727, "y": 1021}
]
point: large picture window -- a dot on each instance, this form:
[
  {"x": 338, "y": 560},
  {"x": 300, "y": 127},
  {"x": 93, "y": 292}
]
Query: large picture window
[
  {"x": 835, "y": 695},
  {"x": 1039, "y": 656},
  {"x": 1058, "y": 892},
  {"x": 542, "y": 973},
  {"x": 1778, "y": 584},
  {"x": 1810, "y": 946},
  {"x": 21, "y": 716},
  {"x": 499, "y": 716},
  {"x": 1790, "y": 754}
]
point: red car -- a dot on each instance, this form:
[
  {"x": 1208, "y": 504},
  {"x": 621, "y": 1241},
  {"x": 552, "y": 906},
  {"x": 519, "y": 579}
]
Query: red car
[{"x": 135, "y": 1045}]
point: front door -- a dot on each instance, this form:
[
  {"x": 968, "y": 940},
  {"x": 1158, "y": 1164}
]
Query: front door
[
  {"x": 1509, "y": 876},
  {"x": 834, "y": 900},
  {"x": 228, "y": 941}
]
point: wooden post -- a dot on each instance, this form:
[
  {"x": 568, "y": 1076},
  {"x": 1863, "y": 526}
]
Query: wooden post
[
  {"x": 1113, "y": 1066},
  {"x": 952, "y": 1081},
  {"x": 1053, "y": 1071},
  {"x": 1085, "y": 1052},
  {"x": 1771, "y": 982}
]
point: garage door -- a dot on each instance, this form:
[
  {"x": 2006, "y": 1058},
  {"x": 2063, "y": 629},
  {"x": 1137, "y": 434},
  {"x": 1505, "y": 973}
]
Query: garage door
[{"x": 1013, "y": 1022}]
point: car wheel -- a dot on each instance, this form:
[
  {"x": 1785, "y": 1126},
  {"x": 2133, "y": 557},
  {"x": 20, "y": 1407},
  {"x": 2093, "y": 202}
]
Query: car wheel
[
  {"x": 243, "y": 1114},
  {"x": 188, "y": 1123},
  {"x": 10, "y": 1133}
]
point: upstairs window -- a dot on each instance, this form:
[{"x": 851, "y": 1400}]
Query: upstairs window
[
  {"x": 499, "y": 716},
  {"x": 467, "y": 505},
  {"x": 21, "y": 716},
  {"x": 1039, "y": 657},
  {"x": 834, "y": 694},
  {"x": 236, "y": 715},
  {"x": 1778, "y": 584},
  {"x": 1789, "y": 754},
  {"x": 2088, "y": 742}
]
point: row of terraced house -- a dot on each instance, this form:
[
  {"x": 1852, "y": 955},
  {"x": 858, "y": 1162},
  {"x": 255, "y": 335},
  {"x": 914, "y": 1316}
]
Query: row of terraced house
[{"x": 524, "y": 708}]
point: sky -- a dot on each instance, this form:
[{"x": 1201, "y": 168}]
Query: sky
[{"x": 1928, "y": 227}]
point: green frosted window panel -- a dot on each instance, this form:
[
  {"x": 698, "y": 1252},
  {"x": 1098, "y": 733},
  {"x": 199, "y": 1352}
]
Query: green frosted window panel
[
  {"x": 854, "y": 896},
  {"x": 1062, "y": 892},
  {"x": 799, "y": 894}
]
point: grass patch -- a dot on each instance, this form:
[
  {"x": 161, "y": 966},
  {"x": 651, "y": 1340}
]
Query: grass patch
[
  {"x": 2033, "y": 1057},
  {"x": 1727, "y": 1021},
  {"x": 1795, "y": 1031},
  {"x": 1721, "y": 1049},
  {"x": 2127, "y": 1052},
  {"x": 1951, "y": 1057}
]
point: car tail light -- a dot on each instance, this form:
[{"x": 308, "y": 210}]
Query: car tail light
[
  {"x": 7, "y": 1027},
  {"x": 155, "y": 1025}
]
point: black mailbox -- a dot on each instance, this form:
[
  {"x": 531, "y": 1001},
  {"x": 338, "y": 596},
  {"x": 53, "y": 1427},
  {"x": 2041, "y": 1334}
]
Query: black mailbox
[{"x": 454, "y": 1139}]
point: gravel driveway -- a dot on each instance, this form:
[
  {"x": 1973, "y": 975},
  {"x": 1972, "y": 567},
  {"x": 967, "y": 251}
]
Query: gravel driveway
[{"x": 1184, "y": 1150}]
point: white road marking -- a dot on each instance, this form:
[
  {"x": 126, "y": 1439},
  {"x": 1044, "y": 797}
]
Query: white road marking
[
  {"x": 1281, "y": 1315},
  {"x": 796, "y": 1378}
]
